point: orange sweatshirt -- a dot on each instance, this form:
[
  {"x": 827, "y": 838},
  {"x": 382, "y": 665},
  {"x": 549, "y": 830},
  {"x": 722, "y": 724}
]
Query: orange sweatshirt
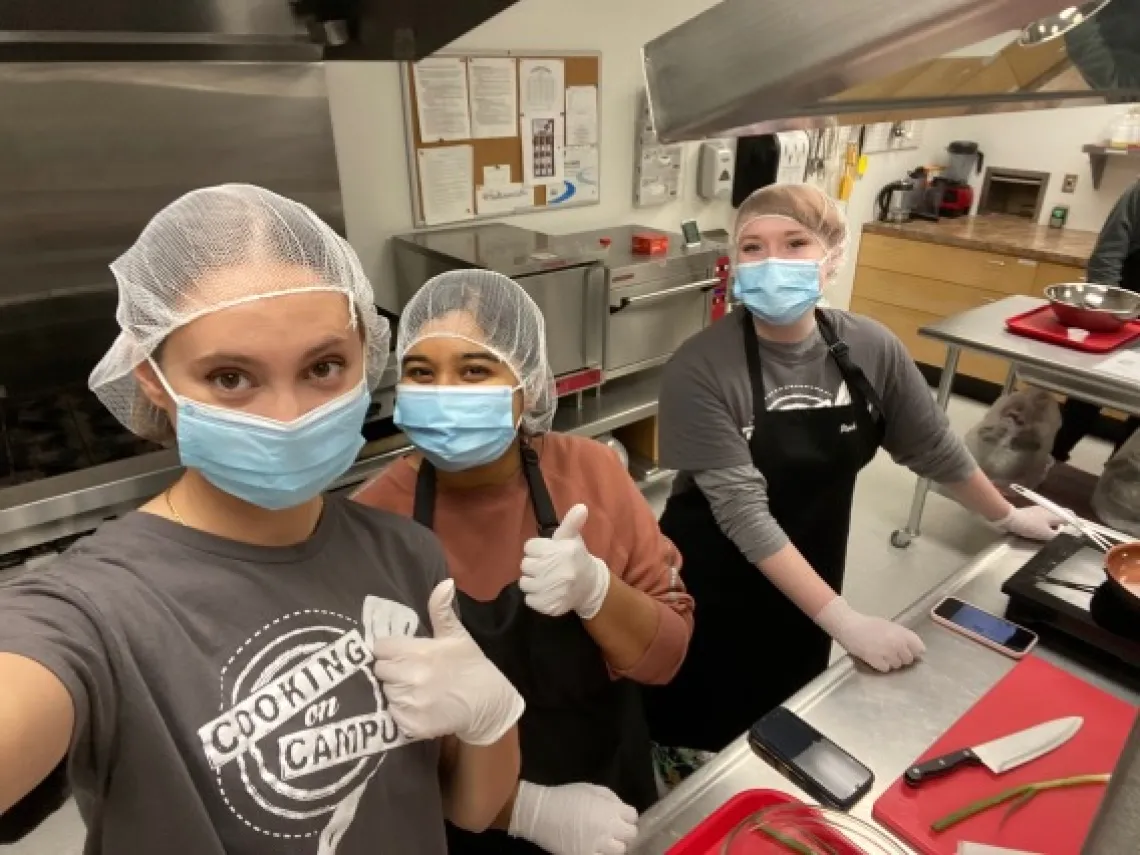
[{"x": 483, "y": 530}]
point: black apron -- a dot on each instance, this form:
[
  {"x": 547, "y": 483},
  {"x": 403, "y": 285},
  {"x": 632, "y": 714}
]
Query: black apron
[
  {"x": 751, "y": 647},
  {"x": 580, "y": 726}
]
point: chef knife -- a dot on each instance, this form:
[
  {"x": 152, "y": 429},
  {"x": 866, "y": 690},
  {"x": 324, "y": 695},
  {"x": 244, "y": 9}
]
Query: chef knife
[{"x": 1001, "y": 755}]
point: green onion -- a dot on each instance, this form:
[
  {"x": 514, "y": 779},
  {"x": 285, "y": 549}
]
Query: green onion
[
  {"x": 789, "y": 843},
  {"x": 1020, "y": 796}
]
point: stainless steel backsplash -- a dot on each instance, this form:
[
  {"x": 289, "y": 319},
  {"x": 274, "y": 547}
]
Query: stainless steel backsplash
[{"x": 89, "y": 152}]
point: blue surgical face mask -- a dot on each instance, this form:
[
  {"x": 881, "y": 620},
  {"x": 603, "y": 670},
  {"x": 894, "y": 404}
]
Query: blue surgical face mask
[
  {"x": 457, "y": 427},
  {"x": 265, "y": 462},
  {"x": 778, "y": 291}
]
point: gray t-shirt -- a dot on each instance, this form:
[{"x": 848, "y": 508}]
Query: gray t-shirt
[
  {"x": 224, "y": 698},
  {"x": 705, "y": 416}
]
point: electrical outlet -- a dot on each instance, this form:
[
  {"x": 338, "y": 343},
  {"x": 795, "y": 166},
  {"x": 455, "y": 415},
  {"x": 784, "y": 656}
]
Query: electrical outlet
[{"x": 1069, "y": 184}]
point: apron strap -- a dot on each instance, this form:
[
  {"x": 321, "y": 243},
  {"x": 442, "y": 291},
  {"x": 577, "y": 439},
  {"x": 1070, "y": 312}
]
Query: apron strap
[
  {"x": 423, "y": 505},
  {"x": 851, "y": 372},
  {"x": 540, "y": 500},
  {"x": 755, "y": 372}
]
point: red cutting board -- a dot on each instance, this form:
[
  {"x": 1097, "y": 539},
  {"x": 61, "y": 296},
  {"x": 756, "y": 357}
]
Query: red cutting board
[{"x": 1053, "y": 823}]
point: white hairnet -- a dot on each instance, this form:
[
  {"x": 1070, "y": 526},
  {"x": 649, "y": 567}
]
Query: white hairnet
[
  {"x": 493, "y": 312},
  {"x": 805, "y": 204},
  {"x": 166, "y": 281}
]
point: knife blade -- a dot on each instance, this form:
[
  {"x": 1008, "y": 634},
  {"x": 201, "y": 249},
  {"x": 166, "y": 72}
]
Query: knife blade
[{"x": 1000, "y": 755}]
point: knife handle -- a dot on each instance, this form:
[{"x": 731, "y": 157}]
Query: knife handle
[{"x": 939, "y": 766}]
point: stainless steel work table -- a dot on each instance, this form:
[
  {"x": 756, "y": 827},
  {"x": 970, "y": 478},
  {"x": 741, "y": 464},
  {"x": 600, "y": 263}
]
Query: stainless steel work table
[
  {"x": 885, "y": 720},
  {"x": 1048, "y": 366}
]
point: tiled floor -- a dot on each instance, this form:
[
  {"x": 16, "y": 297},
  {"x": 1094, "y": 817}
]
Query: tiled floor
[{"x": 881, "y": 580}]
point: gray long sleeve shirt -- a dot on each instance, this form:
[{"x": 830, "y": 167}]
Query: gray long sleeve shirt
[
  {"x": 1119, "y": 238},
  {"x": 706, "y": 415}
]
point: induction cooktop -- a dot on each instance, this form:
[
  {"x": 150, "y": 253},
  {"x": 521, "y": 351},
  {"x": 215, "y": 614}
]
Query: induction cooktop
[{"x": 1058, "y": 593}]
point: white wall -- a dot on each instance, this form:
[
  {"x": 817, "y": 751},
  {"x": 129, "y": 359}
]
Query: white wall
[
  {"x": 1046, "y": 141},
  {"x": 369, "y": 125}
]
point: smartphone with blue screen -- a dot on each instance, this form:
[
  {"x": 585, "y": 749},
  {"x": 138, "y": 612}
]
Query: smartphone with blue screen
[{"x": 981, "y": 626}]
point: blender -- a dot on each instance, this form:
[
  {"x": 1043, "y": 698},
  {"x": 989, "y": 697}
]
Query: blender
[
  {"x": 965, "y": 158},
  {"x": 957, "y": 194}
]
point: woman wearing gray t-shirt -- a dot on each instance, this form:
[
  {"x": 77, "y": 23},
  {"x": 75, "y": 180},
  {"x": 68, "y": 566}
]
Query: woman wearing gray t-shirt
[
  {"x": 243, "y": 665},
  {"x": 769, "y": 415}
]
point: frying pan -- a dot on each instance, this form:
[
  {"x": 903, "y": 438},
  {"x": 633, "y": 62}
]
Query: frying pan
[{"x": 1122, "y": 568}]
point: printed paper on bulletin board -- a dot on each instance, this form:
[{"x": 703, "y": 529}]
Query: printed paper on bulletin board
[{"x": 506, "y": 177}]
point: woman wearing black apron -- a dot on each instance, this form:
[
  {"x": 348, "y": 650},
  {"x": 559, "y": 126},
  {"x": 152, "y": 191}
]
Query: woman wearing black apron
[
  {"x": 769, "y": 415},
  {"x": 576, "y": 606}
]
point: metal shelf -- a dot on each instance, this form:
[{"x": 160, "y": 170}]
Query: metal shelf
[
  {"x": 617, "y": 403},
  {"x": 1099, "y": 155}
]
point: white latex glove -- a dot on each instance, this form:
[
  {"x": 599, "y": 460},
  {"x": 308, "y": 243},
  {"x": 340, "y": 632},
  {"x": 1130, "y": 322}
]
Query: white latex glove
[
  {"x": 559, "y": 574},
  {"x": 445, "y": 685},
  {"x": 574, "y": 819},
  {"x": 1032, "y": 523},
  {"x": 880, "y": 643}
]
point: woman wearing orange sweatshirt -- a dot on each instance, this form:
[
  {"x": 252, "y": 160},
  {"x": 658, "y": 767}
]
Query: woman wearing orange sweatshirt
[{"x": 563, "y": 577}]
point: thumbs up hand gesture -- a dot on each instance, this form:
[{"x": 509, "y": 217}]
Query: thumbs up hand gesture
[
  {"x": 559, "y": 574},
  {"x": 445, "y": 685}
]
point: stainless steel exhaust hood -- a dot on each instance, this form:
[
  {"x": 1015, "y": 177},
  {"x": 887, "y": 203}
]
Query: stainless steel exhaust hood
[
  {"x": 293, "y": 30},
  {"x": 757, "y": 66}
]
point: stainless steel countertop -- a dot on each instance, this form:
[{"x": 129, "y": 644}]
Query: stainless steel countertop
[
  {"x": 1059, "y": 368},
  {"x": 620, "y": 254},
  {"x": 515, "y": 251},
  {"x": 885, "y": 720},
  {"x": 504, "y": 248}
]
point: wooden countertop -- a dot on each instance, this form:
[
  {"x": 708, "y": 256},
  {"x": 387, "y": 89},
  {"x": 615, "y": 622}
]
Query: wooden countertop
[{"x": 993, "y": 233}]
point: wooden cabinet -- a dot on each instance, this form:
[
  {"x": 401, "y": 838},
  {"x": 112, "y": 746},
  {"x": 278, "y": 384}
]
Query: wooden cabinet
[
  {"x": 908, "y": 284},
  {"x": 1055, "y": 274},
  {"x": 988, "y": 271},
  {"x": 905, "y": 323}
]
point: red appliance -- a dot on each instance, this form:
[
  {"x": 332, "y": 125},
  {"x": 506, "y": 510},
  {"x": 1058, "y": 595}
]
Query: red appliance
[
  {"x": 1054, "y": 823},
  {"x": 957, "y": 199},
  {"x": 649, "y": 243},
  {"x": 718, "y": 306}
]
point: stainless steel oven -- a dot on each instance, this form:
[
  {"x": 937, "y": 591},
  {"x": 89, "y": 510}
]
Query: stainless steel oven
[
  {"x": 564, "y": 276},
  {"x": 656, "y": 302}
]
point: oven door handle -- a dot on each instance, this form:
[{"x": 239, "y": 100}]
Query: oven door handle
[{"x": 705, "y": 285}]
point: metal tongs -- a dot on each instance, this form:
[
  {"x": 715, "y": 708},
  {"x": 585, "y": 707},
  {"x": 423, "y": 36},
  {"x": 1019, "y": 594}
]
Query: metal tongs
[{"x": 1100, "y": 536}]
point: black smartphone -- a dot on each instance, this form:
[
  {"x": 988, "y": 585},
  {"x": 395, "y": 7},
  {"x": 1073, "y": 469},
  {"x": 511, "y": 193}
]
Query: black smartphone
[
  {"x": 819, "y": 766},
  {"x": 995, "y": 632}
]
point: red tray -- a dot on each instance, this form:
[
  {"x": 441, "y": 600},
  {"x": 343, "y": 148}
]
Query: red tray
[
  {"x": 1042, "y": 324},
  {"x": 708, "y": 837}
]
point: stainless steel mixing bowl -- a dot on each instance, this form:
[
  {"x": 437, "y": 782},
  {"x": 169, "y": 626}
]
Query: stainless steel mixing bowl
[{"x": 1096, "y": 308}]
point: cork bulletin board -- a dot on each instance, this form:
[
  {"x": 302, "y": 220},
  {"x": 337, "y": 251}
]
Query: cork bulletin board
[{"x": 505, "y": 178}]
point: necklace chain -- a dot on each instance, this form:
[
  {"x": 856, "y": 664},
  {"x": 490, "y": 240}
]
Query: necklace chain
[{"x": 173, "y": 510}]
